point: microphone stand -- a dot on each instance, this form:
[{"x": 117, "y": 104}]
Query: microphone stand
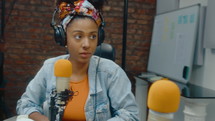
[
  {"x": 57, "y": 109},
  {"x": 53, "y": 109},
  {"x": 124, "y": 34}
]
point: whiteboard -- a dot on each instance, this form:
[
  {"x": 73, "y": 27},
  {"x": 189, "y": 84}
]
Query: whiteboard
[{"x": 173, "y": 43}]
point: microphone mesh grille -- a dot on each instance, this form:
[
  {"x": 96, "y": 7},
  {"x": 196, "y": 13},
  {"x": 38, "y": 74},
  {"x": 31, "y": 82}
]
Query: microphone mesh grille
[
  {"x": 63, "y": 68},
  {"x": 164, "y": 96}
]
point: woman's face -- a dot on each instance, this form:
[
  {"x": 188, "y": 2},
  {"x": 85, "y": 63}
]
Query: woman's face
[{"x": 82, "y": 38}]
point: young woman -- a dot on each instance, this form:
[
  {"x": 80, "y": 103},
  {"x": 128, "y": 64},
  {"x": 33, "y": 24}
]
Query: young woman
[{"x": 104, "y": 90}]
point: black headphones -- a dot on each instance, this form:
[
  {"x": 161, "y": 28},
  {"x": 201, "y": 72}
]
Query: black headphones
[{"x": 60, "y": 35}]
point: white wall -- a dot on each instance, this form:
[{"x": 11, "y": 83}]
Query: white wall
[
  {"x": 205, "y": 75},
  {"x": 184, "y": 3},
  {"x": 209, "y": 69},
  {"x": 166, "y": 5}
]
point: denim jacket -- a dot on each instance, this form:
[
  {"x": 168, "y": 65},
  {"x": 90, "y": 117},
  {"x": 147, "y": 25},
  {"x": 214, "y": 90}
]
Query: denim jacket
[{"x": 112, "y": 101}]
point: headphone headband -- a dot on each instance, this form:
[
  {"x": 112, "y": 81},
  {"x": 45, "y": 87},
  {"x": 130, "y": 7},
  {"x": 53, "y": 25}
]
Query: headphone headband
[{"x": 53, "y": 23}]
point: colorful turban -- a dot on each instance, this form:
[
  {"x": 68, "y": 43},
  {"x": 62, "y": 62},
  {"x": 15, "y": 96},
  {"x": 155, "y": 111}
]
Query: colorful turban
[{"x": 80, "y": 7}]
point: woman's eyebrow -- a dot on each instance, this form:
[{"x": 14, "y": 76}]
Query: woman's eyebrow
[
  {"x": 76, "y": 31},
  {"x": 94, "y": 32},
  {"x": 82, "y": 31}
]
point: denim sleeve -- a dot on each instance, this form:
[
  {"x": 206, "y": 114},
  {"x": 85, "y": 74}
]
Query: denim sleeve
[
  {"x": 123, "y": 104},
  {"x": 34, "y": 96}
]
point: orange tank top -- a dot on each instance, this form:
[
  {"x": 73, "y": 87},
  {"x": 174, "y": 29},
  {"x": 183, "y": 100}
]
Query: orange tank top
[{"x": 74, "y": 110}]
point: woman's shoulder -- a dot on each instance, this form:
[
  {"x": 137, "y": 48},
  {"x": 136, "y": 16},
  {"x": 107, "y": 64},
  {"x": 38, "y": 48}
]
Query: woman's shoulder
[{"x": 105, "y": 64}]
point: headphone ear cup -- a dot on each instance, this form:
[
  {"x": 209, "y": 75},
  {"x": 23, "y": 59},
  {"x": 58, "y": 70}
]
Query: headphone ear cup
[
  {"x": 59, "y": 34},
  {"x": 101, "y": 35}
]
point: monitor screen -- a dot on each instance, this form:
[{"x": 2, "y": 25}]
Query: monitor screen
[{"x": 173, "y": 43}]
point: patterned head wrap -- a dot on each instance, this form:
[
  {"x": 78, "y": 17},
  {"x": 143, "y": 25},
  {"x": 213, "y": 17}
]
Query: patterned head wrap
[{"x": 80, "y": 7}]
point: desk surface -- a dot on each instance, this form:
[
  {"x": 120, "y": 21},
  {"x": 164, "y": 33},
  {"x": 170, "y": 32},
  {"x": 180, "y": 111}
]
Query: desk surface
[
  {"x": 11, "y": 119},
  {"x": 190, "y": 90}
]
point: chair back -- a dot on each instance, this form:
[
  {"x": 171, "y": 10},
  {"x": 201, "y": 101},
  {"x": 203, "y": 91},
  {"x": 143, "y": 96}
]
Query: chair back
[{"x": 105, "y": 51}]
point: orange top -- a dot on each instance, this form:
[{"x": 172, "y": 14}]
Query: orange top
[{"x": 74, "y": 110}]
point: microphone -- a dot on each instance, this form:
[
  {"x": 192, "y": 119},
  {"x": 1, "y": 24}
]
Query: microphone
[
  {"x": 60, "y": 96},
  {"x": 163, "y": 100},
  {"x": 62, "y": 71}
]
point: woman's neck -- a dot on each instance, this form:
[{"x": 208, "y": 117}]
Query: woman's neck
[
  {"x": 79, "y": 71},
  {"x": 80, "y": 68}
]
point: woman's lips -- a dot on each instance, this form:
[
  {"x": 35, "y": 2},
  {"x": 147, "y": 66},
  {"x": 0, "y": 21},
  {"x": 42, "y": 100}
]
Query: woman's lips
[{"x": 85, "y": 54}]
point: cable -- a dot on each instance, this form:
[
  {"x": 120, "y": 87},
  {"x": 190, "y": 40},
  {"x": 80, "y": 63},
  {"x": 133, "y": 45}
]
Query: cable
[{"x": 95, "y": 98}]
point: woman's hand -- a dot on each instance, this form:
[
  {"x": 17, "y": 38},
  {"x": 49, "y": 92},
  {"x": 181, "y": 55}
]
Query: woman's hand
[{"x": 36, "y": 116}]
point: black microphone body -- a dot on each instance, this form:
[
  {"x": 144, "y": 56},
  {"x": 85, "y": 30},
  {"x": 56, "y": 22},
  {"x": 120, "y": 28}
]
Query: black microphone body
[{"x": 62, "y": 93}]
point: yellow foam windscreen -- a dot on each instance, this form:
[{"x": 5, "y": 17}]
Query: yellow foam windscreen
[
  {"x": 63, "y": 68},
  {"x": 164, "y": 96}
]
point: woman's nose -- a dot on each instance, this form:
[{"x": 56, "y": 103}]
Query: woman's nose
[{"x": 86, "y": 43}]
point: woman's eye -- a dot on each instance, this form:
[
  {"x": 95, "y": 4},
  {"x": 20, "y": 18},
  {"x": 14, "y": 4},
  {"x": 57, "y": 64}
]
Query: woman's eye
[
  {"x": 93, "y": 37},
  {"x": 77, "y": 36}
]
